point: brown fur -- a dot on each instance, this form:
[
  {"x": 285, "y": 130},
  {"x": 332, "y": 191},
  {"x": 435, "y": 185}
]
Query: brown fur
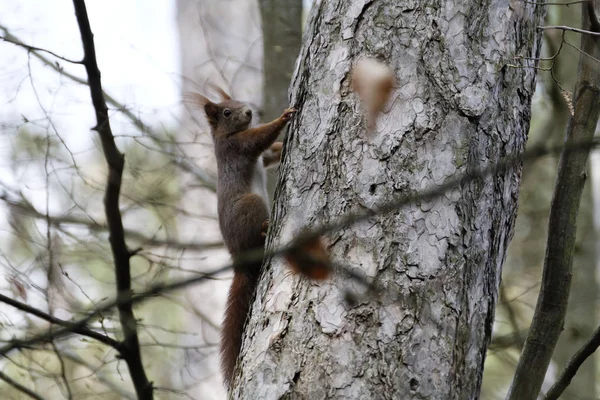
[
  {"x": 242, "y": 213},
  {"x": 239, "y": 299},
  {"x": 310, "y": 259}
]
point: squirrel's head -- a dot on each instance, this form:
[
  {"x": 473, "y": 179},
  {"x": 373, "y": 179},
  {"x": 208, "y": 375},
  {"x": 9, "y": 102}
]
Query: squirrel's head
[
  {"x": 228, "y": 117},
  {"x": 225, "y": 118}
]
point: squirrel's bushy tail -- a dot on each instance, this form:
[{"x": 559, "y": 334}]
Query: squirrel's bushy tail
[{"x": 239, "y": 301}]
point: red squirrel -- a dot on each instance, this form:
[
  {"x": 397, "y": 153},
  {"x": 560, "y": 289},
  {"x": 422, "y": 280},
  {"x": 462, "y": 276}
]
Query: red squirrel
[{"x": 242, "y": 204}]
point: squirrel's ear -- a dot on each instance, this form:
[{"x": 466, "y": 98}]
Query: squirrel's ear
[
  {"x": 219, "y": 90},
  {"x": 212, "y": 112}
]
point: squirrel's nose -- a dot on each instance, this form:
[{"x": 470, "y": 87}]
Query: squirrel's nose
[{"x": 249, "y": 112}]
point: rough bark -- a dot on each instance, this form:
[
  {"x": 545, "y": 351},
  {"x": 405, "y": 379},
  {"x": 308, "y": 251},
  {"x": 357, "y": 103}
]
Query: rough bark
[
  {"x": 551, "y": 306},
  {"x": 437, "y": 263}
]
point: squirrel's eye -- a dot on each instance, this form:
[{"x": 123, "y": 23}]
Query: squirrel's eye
[{"x": 227, "y": 112}]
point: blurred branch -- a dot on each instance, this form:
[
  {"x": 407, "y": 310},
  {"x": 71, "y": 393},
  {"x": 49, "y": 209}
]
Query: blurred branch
[
  {"x": 182, "y": 162},
  {"x": 571, "y": 369},
  {"x": 63, "y": 372},
  {"x": 552, "y": 302},
  {"x": 509, "y": 340},
  {"x": 19, "y": 387},
  {"x": 512, "y": 317},
  {"x": 502, "y": 165},
  {"x": 82, "y": 330},
  {"x": 130, "y": 350},
  {"x": 120, "y": 301},
  {"x": 28, "y": 208},
  {"x": 8, "y": 37},
  {"x": 100, "y": 375}
]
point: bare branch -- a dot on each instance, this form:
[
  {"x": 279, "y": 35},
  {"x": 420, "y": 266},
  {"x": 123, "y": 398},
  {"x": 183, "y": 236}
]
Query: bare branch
[
  {"x": 19, "y": 387},
  {"x": 571, "y": 369},
  {"x": 118, "y": 302},
  {"x": 130, "y": 350},
  {"x": 100, "y": 375},
  {"x": 552, "y": 302},
  {"x": 568, "y": 28},
  {"x": 63, "y": 372},
  {"x": 14, "y": 40},
  {"x": 82, "y": 330},
  {"x": 58, "y": 221},
  {"x": 555, "y": 3}
]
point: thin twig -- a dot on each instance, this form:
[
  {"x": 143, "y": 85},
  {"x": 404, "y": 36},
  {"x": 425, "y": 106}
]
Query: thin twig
[
  {"x": 58, "y": 221},
  {"x": 555, "y": 3},
  {"x": 119, "y": 301},
  {"x": 81, "y": 330},
  {"x": 183, "y": 163},
  {"x": 19, "y": 387},
  {"x": 573, "y": 366},
  {"x": 130, "y": 350},
  {"x": 99, "y": 375},
  {"x": 63, "y": 371},
  {"x": 568, "y": 28},
  {"x": 14, "y": 40}
]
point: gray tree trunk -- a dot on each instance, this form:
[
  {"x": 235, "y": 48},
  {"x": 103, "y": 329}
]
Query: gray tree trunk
[
  {"x": 437, "y": 263},
  {"x": 282, "y": 33}
]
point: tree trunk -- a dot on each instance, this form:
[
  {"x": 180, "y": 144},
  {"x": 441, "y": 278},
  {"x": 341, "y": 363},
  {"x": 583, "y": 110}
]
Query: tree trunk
[
  {"x": 580, "y": 323},
  {"x": 282, "y": 33},
  {"x": 526, "y": 253},
  {"x": 551, "y": 307},
  {"x": 436, "y": 263}
]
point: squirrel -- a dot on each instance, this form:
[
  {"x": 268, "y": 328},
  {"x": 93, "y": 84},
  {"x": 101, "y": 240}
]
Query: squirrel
[{"x": 242, "y": 204}]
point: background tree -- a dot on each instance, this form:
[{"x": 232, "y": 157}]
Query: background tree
[
  {"x": 551, "y": 306},
  {"x": 522, "y": 270},
  {"x": 281, "y": 34},
  {"x": 436, "y": 264}
]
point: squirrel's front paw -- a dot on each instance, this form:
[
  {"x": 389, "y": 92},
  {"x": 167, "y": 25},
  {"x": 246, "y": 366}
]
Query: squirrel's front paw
[
  {"x": 288, "y": 113},
  {"x": 264, "y": 228}
]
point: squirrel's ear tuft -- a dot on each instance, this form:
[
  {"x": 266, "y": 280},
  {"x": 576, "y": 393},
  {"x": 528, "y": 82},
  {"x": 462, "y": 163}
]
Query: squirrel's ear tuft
[
  {"x": 195, "y": 99},
  {"x": 210, "y": 108},
  {"x": 219, "y": 90}
]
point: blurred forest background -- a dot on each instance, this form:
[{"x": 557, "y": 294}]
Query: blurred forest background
[{"x": 54, "y": 249}]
